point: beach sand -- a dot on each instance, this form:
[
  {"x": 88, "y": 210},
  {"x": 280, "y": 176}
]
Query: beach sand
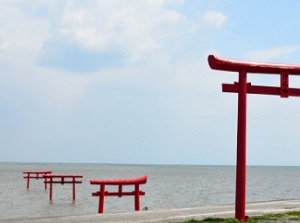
[{"x": 173, "y": 215}]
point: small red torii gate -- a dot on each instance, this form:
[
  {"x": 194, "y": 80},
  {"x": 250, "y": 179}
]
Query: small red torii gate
[{"x": 242, "y": 88}]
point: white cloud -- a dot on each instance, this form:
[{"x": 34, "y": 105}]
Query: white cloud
[
  {"x": 21, "y": 33},
  {"x": 139, "y": 27},
  {"x": 217, "y": 19},
  {"x": 134, "y": 25},
  {"x": 270, "y": 54}
]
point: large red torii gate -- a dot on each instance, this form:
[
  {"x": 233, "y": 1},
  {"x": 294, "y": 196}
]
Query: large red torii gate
[{"x": 242, "y": 88}]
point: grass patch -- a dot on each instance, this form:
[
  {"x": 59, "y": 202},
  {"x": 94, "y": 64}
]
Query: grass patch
[
  {"x": 284, "y": 217},
  {"x": 295, "y": 216}
]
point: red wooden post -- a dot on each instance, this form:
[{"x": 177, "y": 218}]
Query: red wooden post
[
  {"x": 50, "y": 198},
  {"x": 28, "y": 180},
  {"x": 120, "y": 190},
  {"x": 284, "y": 85},
  {"x": 74, "y": 189},
  {"x": 101, "y": 198},
  {"x": 240, "y": 198},
  {"x": 137, "y": 197}
]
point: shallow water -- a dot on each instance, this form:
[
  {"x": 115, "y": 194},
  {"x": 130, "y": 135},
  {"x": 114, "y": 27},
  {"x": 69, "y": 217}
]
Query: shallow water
[{"x": 168, "y": 186}]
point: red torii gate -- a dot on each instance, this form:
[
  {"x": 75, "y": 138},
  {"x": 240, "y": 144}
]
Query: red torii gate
[{"x": 242, "y": 88}]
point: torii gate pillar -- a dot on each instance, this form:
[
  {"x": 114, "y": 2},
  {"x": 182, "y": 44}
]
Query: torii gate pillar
[
  {"x": 241, "y": 148},
  {"x": 243, "y": 88}
]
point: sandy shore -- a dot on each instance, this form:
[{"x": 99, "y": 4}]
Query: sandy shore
[{"x": 173, "y": 215}]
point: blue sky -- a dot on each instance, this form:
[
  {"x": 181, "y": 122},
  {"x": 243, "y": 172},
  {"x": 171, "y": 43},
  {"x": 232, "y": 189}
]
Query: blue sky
[{"x": 128, "y": 81}]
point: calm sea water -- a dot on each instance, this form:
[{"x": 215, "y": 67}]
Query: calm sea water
[{"x": 168, "y": 186}]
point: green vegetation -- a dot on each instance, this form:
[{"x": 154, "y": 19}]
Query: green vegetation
[{"x": 284, "y": 217}]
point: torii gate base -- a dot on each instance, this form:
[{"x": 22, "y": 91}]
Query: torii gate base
[{"x": 242, "y": 88}]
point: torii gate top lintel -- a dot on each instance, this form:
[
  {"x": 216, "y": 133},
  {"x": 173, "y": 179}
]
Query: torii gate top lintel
[
  {"x": 284, "y": 70},
  {"x": 219, "y": 63}
]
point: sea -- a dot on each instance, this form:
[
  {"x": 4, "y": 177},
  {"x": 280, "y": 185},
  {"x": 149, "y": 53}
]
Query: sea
[{"x": 168, "y": 187}]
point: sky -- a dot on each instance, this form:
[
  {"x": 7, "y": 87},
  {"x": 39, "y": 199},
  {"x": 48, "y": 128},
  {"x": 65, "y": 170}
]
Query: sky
[{"x": 127, "y": 81}]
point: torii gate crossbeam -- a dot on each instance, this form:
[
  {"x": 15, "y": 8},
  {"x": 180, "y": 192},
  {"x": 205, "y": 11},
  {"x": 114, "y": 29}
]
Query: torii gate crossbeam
[{"x": 242, "y": 88}]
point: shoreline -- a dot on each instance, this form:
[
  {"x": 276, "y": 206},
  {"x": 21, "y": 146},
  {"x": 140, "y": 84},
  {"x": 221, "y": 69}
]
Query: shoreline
[{"x": 172, "y": 215}]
